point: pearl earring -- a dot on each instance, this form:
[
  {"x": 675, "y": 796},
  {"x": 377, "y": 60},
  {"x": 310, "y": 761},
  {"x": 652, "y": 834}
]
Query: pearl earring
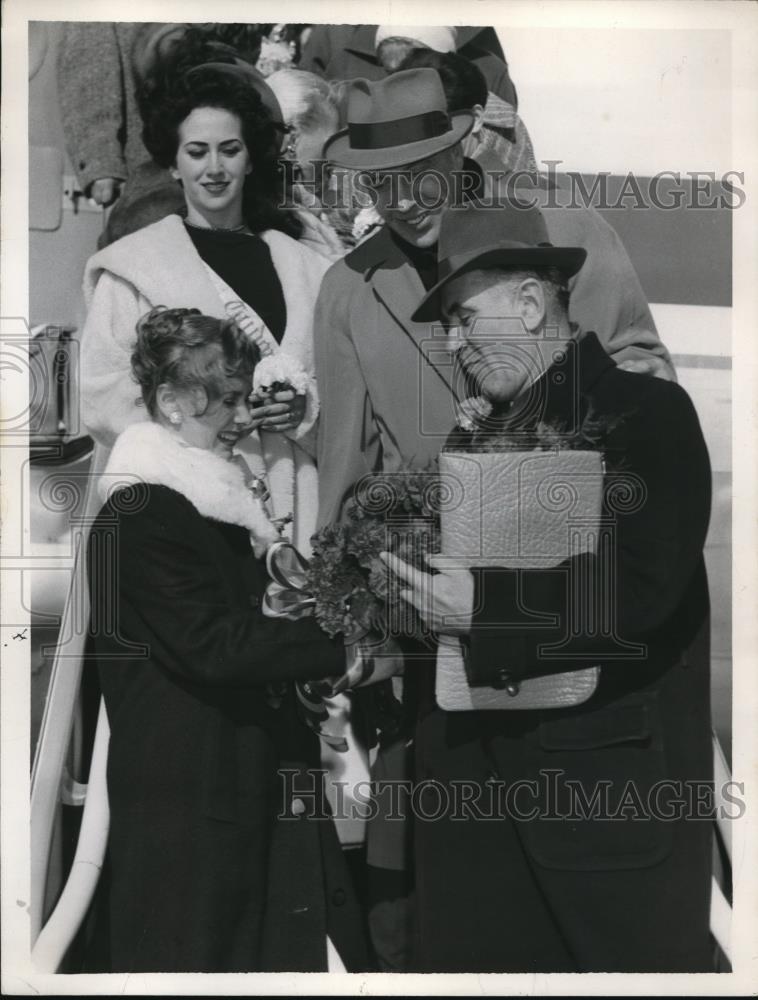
[{"x": 175, "y": 417}]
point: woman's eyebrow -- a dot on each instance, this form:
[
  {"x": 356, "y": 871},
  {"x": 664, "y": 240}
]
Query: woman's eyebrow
[{"x": 202, "y": 142}]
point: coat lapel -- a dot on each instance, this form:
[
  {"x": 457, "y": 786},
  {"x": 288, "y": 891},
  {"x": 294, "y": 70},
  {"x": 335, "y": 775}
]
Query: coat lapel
[
  {"x": 410, "y": 380},
  {"x": 398, "y": 290}
]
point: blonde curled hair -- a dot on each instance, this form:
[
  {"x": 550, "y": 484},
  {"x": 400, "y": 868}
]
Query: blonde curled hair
[{"x": 190, "y": 352}]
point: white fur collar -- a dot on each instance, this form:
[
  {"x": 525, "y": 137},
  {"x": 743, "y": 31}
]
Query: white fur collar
[{"x": 213, "y": 485}]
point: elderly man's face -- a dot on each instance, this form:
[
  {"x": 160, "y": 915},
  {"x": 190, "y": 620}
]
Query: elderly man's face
[
  {"x": 497, "y": 330},
  {"x": 412, "y": 199}
]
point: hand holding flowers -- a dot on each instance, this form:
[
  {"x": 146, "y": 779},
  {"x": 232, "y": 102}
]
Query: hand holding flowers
[{"x": 279, "y": 393}]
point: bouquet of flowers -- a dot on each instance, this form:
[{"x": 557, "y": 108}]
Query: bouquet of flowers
[
  {"x": 353, "y": 590},
  {"x": 490, "y": 432},
  {"x": 277, "y": 373}
]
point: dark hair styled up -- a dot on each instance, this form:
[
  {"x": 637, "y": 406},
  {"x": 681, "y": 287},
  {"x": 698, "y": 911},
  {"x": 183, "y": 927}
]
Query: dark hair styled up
[
  {"x": 190, "y": 352},
  {"x": 463, "y": 82},
  {"x": 181, "y": 83}
]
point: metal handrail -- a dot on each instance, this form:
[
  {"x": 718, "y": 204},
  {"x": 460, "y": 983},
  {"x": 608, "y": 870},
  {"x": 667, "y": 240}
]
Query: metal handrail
[
  {"x": 52, "y": 746},
  {"x": 721, "y": 911},
  {"x": 57, "y": 720},
  {"x": 60, "y": 930}
]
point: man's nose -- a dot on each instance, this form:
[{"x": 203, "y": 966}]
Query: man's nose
[
  {"x": 405, "y": 199},
  {"x": 454, "y": 339}
]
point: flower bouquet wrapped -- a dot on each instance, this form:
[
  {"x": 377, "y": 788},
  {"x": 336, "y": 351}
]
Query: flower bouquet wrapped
[
  {"x": 345, "y": 585},
  {"x": 351, "y": 592}
]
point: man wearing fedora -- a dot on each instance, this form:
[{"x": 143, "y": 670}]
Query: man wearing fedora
[
  {"x": 389, "y": 390},
  {"x": 537, "y": 885},
  {"x": 388, "y": 395}
]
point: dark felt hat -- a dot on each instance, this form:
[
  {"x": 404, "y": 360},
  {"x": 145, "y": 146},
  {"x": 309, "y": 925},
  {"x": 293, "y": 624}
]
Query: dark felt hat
[
  {"x": 510, "y": 235},
  {"x": 242, "y": 71},
  {"x": 396, "y": 121}
]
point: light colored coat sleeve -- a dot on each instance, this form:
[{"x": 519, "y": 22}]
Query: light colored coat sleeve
[
  {"x": 349, "y": 444},
  {"x": 606, "y": 294},
  {"x": 109, "y": 394},
  {"x": 608, "y": 299},
  {"x": 301, "y": 270}
]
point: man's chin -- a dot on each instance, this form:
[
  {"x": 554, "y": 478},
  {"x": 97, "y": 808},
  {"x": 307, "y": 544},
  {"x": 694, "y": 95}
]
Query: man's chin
[{"x": 501, "y": 395}]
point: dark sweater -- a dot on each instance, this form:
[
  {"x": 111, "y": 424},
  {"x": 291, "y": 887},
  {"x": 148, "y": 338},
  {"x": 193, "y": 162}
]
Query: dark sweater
[{"x": 244, "y": 263}]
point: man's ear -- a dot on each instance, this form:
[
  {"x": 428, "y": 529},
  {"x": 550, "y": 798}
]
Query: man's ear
[
  {"x": 478, "y": 111},
  {"x": 532, "y": 304}
]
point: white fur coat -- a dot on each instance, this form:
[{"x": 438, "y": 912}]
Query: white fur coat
[
  {"x": 215, "y": 486},
  {"x": 158, "y": 265}
]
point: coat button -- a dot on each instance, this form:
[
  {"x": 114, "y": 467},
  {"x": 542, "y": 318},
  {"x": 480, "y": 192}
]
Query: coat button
[
  {"x": 339, "y": 897},
  {"x": 513, "y": 689},
  {"x": 297, "y": 807},
  {"x": 254, "y": 601},
  {"x": 502, "y": 679}
]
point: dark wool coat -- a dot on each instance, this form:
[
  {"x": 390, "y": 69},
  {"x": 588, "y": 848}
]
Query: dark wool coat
[
  {"x": 570, "y": 894},
  {"x": 346, "y": 51},
  {"x": 216, "y": 862}
]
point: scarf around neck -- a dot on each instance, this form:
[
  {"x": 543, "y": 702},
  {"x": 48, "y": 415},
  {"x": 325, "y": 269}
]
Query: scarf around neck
[{"x": 214, "y": 486}]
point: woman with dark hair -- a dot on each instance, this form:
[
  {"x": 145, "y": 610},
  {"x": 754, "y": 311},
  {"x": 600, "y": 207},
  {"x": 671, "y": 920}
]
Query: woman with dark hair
[
  {"x": 221, "y": 857},
  {"x": 180, "y": 85},
  {"x": 232, "y": 252}
]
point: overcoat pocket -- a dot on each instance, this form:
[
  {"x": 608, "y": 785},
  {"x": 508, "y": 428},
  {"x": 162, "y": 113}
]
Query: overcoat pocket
[{"x": 600, "y": 775}]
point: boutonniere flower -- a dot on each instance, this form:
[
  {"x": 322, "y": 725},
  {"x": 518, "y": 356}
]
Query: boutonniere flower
[
  {"x": 472, "y": 411},
  {"x": 365, "y": 221},
  {"x": 279, "y": 372}
]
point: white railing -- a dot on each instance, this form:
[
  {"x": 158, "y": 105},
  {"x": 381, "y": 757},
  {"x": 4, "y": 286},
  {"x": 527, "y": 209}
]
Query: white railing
[
  {"x": 60, "y": 707},
  {"x": 60, "y": 930}
]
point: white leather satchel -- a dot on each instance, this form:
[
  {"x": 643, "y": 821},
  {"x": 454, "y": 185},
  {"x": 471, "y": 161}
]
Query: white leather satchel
[{"x": 520, "y": 509}]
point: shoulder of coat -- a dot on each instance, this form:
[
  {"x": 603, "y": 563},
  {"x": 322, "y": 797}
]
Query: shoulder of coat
[{"x": 371, "y": 253}]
